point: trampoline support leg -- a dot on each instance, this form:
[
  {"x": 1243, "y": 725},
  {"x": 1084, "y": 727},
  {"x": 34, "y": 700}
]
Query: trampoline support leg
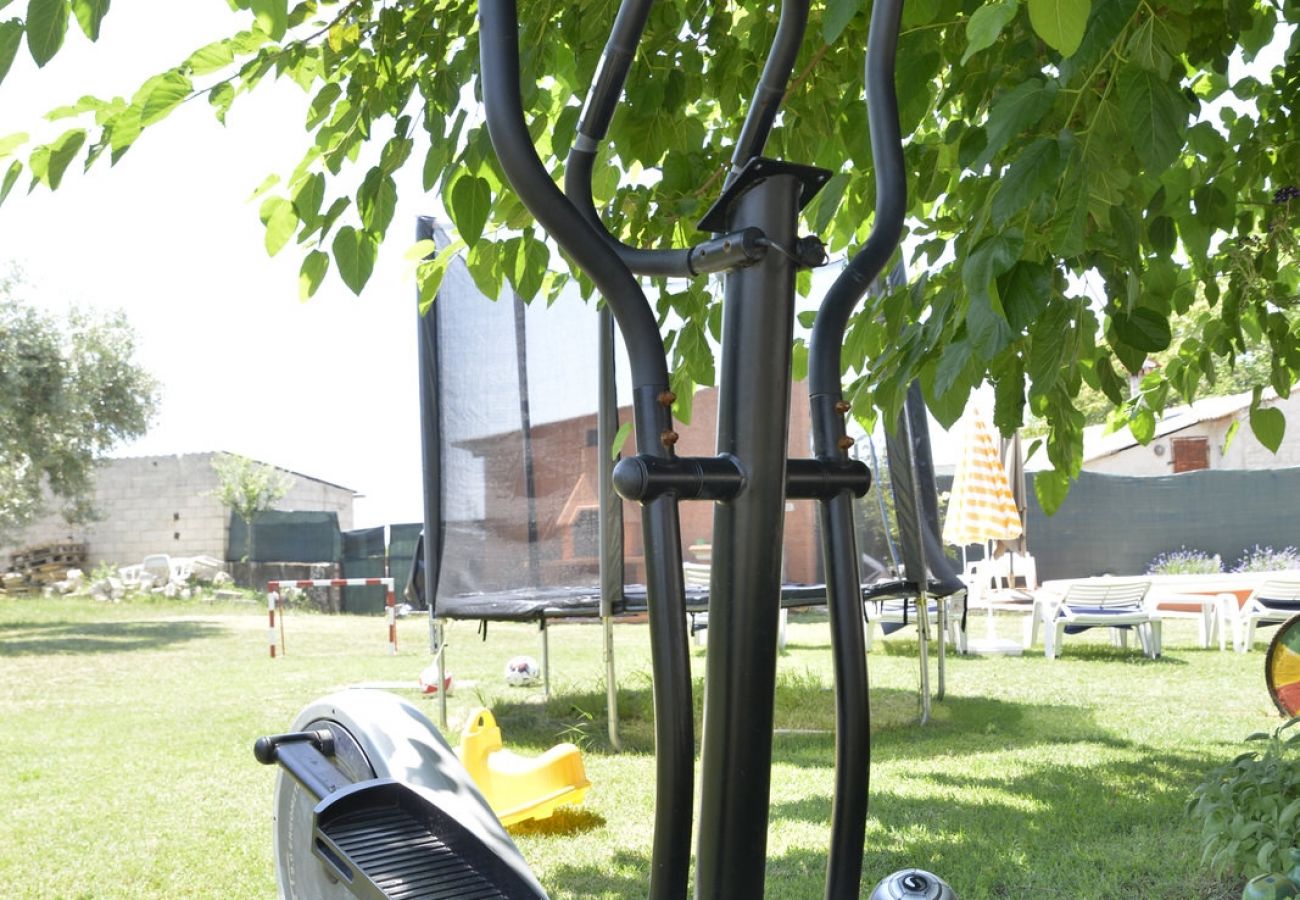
[
  {"x": 611, "y": 684},
  {"x": 942, "y": 620},
  {"x": 546, "y": 661},
  {"x": 438, "y": 637}
]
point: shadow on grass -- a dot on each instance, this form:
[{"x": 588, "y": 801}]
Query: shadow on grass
[
  {"x": 565, "y": 820},
  {"x": 1115, "y": 828},
  {"x": 805, "y": 723},
  {"x": 50, "y": 638},
  {"x": 590, "y": 881}
]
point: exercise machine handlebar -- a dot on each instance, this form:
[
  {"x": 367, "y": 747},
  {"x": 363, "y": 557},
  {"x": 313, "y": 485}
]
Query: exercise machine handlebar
[
  {"x": 827, "y": 338},
  {"x": 771, "y": 85},
  {"x": 723, "y": 251},
  {"x": 652, "y": 403},
  {"x": 499, "y": 55}
]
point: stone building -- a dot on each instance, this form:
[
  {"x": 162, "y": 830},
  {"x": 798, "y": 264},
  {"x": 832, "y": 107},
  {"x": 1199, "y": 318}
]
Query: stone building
[{"x": 166, "y": 504}]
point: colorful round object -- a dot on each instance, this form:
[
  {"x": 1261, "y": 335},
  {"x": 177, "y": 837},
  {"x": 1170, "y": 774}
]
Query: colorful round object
[{"x": 1282, "y": 667}]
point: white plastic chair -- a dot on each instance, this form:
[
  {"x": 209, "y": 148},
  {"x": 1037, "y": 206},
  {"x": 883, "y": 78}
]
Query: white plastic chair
[
  {"x": 1002, "y": 572},
  {"x": 1116, "y": 603},
  {"x": 1273, "y": 602}
]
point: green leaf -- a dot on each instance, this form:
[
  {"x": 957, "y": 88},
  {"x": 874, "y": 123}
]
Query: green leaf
[
  {"x": 1143, "y": 329},
  {"x": 307, "y": 200},
  {"x": 1025, "y": 291},
  {"x": 8, "y": 144},
  {"x": 1162, "y": 235},
  {"x": 484, "y": 268},
  {"x": 1142, "y": 425},
  {"x": 377, "y": 200},
  {"x": 47, "y": 23},
  {"x": 1155, "y": 114},
  {"x": 11, "y": 37},
  {"x": 354, "y": 252},
  {"x": 838, "y": 15},
  {"x": 1051, "y": 486},
  {"x": 272, "y": 16},
  {"x": 422, "y": 249},
  {"x": 1013, "y": 113},
  {"x": 471, "y": 198},
  {"x": 530, "y": 261},
  {"x": 1227, "y": 442},
  {"x": 828, "y": 201},
  {"x": 1047, "y": 350},
  {"x": 430, "y": 273},
  {"x": 620, "y": 438},
  {"x": 49, "y": 162},
  {"x": 1026, "y": 178},
  {"x": 7, "y": 185},
  {"x": 1268, "y": 425},
  {"x": 212, "y": 58},
  {"x": 1066, "y": 237},
  {"x": 314, "y": 266},
  {"x": 983, "y": 28},
  {"x": 160, "y": 95},
  {"x": 281, "y": 222},
  {"x": 1060, "y": 23},
  {"x": 89, "y": 14}
]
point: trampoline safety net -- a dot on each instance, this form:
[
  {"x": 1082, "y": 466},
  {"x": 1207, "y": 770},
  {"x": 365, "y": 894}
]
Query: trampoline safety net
[{"x": 514, "y": 403}]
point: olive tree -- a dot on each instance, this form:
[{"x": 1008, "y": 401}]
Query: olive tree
[{"x": 70, "y": 391}]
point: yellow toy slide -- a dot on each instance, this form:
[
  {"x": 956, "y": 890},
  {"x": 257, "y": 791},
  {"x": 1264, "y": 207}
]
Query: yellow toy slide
[{"x": 519, "y": 787}]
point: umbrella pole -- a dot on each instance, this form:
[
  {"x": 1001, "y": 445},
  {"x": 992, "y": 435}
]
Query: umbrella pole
[{"x": 991, "y": 631}]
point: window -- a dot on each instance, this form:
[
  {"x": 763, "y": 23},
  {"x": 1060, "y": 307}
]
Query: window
[{"x": 1191, "y": 454}]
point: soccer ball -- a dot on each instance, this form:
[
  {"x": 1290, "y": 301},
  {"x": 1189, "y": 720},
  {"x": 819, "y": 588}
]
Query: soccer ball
[
  {"x": 429, "y": 681},
  {"x": 523, "y": 671}
]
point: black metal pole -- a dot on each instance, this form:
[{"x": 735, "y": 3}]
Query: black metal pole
[
  {"x": 745, "y": 585},
  {"x": 526, "y": 438},
  {"x": 771, "y": 85},
  {"x": 651, "y": 403},
  {"x": 611, "y": 513},
  {"x": 828, "y": 409},
  {"x": 430, "y": 435}
]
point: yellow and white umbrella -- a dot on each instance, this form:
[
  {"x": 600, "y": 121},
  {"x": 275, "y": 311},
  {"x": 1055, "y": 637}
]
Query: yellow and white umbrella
[{"x": 981, "y": 506}]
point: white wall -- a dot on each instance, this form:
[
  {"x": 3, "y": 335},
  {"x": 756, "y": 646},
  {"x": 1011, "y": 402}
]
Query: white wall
[{"x": 1245, "y": 451}]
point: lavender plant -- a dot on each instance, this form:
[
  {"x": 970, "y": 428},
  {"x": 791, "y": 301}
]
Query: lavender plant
[
  {"x": 1266, "y": 559},
  {"x": 1185, "y": 562}
]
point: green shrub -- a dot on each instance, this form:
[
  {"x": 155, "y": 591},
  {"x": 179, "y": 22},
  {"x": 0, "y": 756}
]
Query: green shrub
[
  {"x": 1185, "y": 562},
  {"x": 1249, "y": 807}
]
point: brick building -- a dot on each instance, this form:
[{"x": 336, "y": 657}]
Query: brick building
[{"x": 564, "y": 496}]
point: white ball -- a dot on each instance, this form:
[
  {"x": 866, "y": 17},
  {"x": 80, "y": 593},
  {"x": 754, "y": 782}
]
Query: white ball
[{"x": 523, "y": 671}]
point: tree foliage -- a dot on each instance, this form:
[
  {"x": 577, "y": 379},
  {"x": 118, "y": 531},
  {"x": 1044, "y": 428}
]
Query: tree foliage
[
  {"x": 247, "y": 487},
  {"x": 70, "y": 391},
  {"x": 1051, "y": 144}
]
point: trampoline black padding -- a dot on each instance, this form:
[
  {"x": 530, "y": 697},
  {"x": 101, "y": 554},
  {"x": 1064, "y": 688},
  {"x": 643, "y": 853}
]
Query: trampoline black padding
[{"x": 535, "y": 604}]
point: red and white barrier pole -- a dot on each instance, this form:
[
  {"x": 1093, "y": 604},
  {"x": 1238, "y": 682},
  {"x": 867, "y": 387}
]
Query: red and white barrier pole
[
  {"x": 390, "y": 613},
  {"x": 390, "y": 603},
  {"x": 271, "y": 598}
]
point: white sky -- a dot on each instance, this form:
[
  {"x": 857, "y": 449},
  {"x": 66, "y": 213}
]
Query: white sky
[{"x": 326, "y": 388}]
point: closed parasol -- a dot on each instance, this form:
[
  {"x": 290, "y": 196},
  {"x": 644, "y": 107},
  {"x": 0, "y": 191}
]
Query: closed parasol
[{"x": 981, "y": 507}]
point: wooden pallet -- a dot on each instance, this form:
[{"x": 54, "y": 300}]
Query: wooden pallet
[{"x": 48, "y": 563}]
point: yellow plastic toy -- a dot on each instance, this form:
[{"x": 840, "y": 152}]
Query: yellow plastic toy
[{"x": 519, "y": 787}]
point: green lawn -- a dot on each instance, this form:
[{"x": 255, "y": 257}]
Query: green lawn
[{"x": 126, "y": 766}]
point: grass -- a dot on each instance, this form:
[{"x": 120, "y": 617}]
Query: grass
[{"x": 126, "y": 765}]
